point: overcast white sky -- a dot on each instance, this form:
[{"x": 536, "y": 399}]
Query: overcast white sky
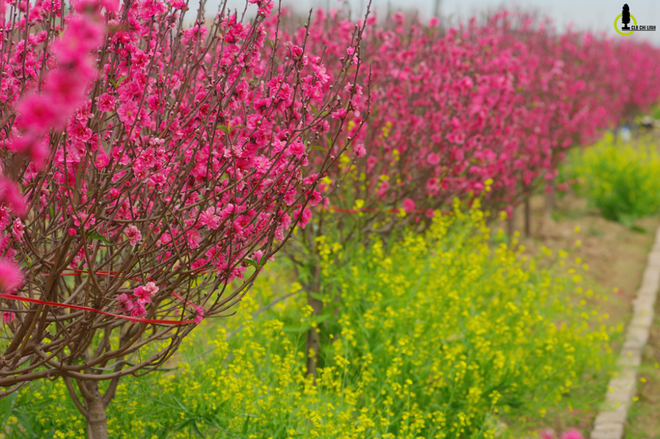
[{"x": 590, "y": 14}]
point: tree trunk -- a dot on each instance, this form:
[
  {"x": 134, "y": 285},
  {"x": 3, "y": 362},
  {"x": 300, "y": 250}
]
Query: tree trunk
[
  {"x": 97, "y": 421},
  {"x": 511, "y": 224},
  {"x": 436, "y": 8},
  {"x": 528, "y": 217},
  {"x": 313, "y": 339}
]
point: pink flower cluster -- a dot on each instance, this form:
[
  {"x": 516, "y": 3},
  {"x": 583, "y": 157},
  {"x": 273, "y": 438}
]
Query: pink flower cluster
[
  {"x": 156, "y": 148},
  {"x": 569, "y": 434},
  {"x": 135, "y": 304},
  {"x": 133, "y": 235}
]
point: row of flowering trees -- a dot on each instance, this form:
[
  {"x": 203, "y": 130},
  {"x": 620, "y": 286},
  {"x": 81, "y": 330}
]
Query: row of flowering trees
[
  {"x": 484, "y": 110},
  {"x": 500, "y": 100},
  {"x": 150, "y": 168}
]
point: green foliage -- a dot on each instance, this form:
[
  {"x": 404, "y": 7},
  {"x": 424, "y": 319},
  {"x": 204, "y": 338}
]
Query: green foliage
[
  {"x": 441, "y": 335},
  {"x": 656, "y": 113},
  {"x": 622, "y": 181}
]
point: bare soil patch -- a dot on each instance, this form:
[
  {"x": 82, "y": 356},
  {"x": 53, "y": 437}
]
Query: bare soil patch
[{"x": 644, "y": 417}]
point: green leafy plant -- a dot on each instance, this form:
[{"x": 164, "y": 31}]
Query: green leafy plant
[{"x": 622, "y": 181}]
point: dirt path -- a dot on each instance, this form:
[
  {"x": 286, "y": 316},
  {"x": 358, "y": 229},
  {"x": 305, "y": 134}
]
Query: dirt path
[
  {"x": 616, "y": 255},
  {"x": 644, "y": 417}
]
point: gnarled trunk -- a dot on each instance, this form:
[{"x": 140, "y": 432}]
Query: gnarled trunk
[
  {"x": 92, "y": 404},
  {"x": 97, "y": 421}
]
